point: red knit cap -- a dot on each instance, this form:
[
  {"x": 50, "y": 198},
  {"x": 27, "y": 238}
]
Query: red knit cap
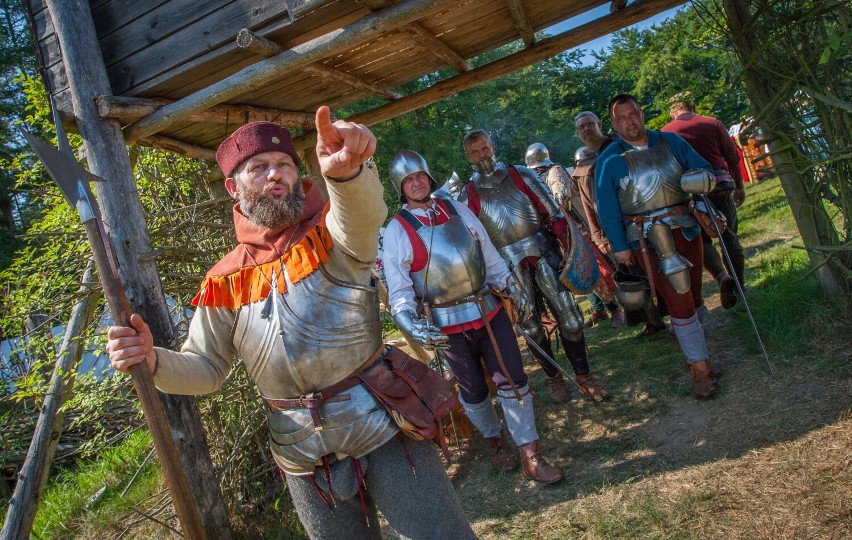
[{"x": 252, "y": 139}]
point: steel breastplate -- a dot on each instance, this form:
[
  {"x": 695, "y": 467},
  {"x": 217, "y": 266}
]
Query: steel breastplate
[
  {"x": 312, "y": 336},
  {"x": 653, "y": 182},
  {"x": 455, "y": 269},
  {"x": 507, "y": 213}
]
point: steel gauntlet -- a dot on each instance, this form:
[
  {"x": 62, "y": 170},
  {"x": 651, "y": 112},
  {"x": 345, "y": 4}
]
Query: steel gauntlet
[{"x": 420, "y": 330}]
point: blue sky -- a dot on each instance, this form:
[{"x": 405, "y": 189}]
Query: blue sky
[{"x": 603, "y": 42}]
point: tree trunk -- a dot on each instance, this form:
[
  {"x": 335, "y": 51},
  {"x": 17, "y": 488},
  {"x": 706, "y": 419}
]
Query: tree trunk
[
  {"x": 811, "y": 217},
  {"x": 123, "y": 216}
]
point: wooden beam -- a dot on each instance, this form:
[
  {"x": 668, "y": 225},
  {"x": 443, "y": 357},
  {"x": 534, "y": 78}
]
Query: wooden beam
[
  {"x": 546, "y": 48},
  {"x": 425, "y": 38},
  {"x": 131, "y": 109},
  {"x": 178, "y": 147},
  {"x": 437, "y": 47},
  {"x": 246, "y": 39},
  {"x": 522, "y": 22},
  {"x": 258, "y": 75},
  {"x": 124, "y": 219},
  {"x": 332, "y": 74}
]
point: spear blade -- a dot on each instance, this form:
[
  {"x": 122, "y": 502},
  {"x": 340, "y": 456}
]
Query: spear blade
[{"x": 65, "y": 170}]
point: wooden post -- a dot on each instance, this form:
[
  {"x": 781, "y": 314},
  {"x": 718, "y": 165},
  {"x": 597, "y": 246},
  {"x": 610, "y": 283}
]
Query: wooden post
[
  {"x": 122, "y": 213},
  {"x": 33, "y": 474}
]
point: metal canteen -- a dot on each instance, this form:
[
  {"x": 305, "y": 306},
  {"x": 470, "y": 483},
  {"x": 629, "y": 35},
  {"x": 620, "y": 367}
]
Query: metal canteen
[
  {"x": 632, "y": 291},
  {"x": 673, "y": 265},
  {"x": 697, "y": 181}
]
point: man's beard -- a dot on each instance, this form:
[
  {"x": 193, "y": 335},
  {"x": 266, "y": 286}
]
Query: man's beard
[{"x": 272, "y": 212}]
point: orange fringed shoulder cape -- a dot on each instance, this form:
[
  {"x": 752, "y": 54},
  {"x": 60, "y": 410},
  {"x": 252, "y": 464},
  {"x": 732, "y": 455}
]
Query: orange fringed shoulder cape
[{"x": 245, "y": 275}]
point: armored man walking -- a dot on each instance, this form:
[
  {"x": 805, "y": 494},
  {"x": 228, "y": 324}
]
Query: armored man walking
[{"x": 443, "y": 273}]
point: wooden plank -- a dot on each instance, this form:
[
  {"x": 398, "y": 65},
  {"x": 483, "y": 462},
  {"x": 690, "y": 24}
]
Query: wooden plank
[
  {"x": 112, "y": 16},
  {"x": 139, "y": 57},
  {"x": 286, "y": 62},
  {"x": 214, "y": 66},
  {"x": 435, "y": 46},
  {"x": 546, "y": 48},
  {"x": 249, "y": 41}
]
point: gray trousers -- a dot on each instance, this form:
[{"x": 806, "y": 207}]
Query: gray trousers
[{"x": 425, "y": 507}]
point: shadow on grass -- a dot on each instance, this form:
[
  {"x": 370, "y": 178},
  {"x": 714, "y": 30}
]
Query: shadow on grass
[{"x": 653, "y": 425}]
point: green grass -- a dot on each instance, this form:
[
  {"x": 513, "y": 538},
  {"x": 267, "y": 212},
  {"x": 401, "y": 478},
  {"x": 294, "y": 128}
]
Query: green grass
[{"x": 89, "y": 496}]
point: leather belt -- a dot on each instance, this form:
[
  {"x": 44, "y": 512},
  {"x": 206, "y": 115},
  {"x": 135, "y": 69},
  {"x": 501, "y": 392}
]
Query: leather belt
[
  {"x": 473, "y": 298},
  {"x": 331, "y": 394}
]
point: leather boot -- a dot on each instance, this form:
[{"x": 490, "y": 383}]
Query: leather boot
[
  {"x": 619, "y": 320},
  {"x": 501, "y": 455},
  {"x": 558, "y": 392},
  {"x": 536, "y": 467},
  {"x": 727, "y": 290},
  {"x": 703, "y": 380},
  {"x": 595, "y": 318},
  {"x": 591, "y": 388}
]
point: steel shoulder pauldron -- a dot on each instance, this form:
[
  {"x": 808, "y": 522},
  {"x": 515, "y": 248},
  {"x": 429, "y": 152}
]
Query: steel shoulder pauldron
[{"x": 537, "y": 186}]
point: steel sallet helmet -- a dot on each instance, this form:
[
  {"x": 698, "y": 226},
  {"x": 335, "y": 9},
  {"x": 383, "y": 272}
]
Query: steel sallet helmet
[
  {"x": 406, "y": 162},
  {"x": 537, "y": 156},
  {"x": 582, "y": 153}
]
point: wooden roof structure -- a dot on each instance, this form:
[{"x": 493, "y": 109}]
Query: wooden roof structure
[{"x": 185, "y": 73}]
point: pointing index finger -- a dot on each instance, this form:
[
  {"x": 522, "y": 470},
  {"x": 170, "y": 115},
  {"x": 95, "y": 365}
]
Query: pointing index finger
[{"x": 325, "y": 130}]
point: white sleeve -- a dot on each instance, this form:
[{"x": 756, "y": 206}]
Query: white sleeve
[
  {"x": 496, "y": 271},
  {"x": 398, "y": 256}
]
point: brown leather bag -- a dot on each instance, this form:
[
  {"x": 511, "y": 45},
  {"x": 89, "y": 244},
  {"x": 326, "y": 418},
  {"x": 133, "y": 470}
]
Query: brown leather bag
[{"x": 416, "y": 396}]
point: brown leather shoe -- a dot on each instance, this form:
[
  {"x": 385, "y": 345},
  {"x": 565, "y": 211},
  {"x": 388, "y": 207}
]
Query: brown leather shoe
[
  {"x": 619, "y": 320},
  {"x": 558, "y": 392},
  {"x": 703, "y": 380},
  {"x": 502, "y": 457},
  {"x": 591, "y": 388},
  {"x": 595, "y": 318},
  {"x": 536, "y": 467}
]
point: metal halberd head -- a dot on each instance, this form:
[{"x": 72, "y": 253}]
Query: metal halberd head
[{"x": 72, "y": 179}]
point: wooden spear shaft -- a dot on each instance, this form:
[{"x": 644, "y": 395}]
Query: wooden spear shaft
[
  {"x": 73, "y": 181},
  {"x": 143, "y": 382}
]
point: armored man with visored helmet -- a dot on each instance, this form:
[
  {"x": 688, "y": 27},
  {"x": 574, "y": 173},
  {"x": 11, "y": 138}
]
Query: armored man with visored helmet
[
  {"x": 444, "y": 277},
  {"x": 527, "y": 228},
  {"x": 644, "y": 185},
  {"x": 295, "y": 302}
]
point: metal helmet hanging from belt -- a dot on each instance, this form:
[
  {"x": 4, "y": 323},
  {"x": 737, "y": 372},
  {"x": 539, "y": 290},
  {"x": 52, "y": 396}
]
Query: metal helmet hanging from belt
[
  {"x": 537, "y": 156},
  {"x": 407, "y": 162}
]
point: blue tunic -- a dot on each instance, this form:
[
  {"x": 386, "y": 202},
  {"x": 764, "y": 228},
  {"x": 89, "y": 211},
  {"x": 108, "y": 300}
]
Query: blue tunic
[{"x": 611, "y": 168}]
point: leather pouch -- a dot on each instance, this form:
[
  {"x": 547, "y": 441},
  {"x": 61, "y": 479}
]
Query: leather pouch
[{"x": 416, "y": 396}]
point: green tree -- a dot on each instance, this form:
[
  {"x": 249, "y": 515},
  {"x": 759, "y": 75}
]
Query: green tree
[{"x": 17, "y": 60}]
